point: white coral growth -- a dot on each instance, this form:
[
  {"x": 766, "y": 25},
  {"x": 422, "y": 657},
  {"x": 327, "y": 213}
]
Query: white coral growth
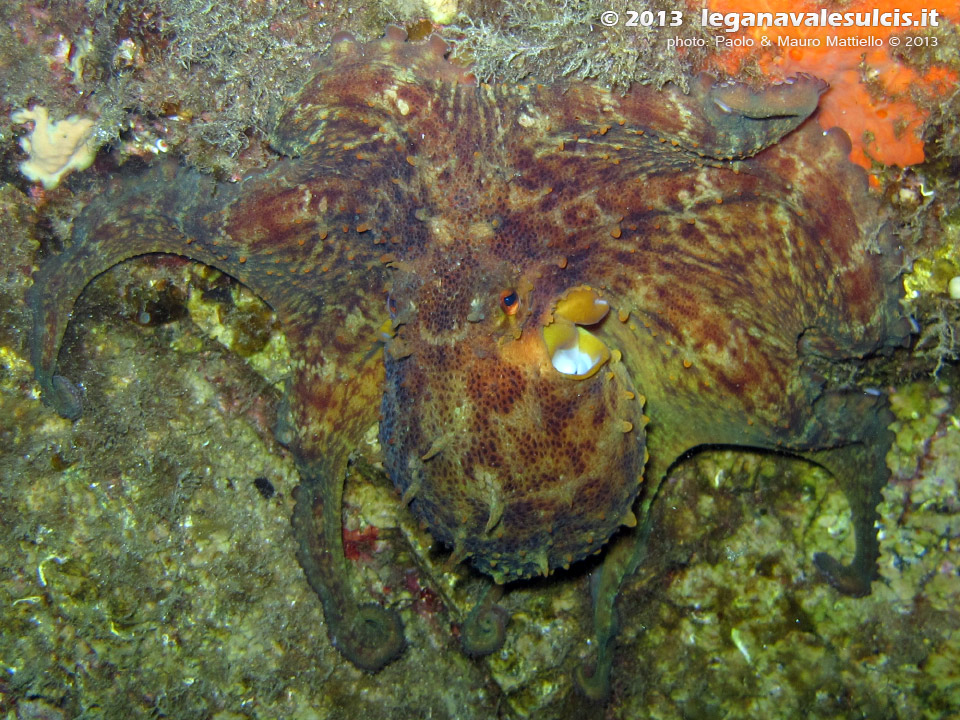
[{"x": 57, "y": 148}]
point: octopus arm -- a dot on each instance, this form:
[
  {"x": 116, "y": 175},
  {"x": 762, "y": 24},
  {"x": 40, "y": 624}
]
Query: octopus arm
[
  {"x": 303, "y": 237},
  {"x": 293, "y": 234},
  {"x": 334, "y": 398},
  {"x": 731, "y": 276},
  {"x": 724, "y": 121},
  {"x": 127, "y": 223},
  {"x": 713, "y": 121}
]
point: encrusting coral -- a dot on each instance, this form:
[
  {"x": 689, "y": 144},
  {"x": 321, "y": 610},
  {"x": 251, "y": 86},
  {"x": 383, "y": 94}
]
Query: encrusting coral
[{"x": 55, "y": 148}]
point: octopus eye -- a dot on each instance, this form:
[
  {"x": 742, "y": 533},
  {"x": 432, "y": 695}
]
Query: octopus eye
[
  {"x": 509, "y": 302},
  {"x": 392, "y": 306}
]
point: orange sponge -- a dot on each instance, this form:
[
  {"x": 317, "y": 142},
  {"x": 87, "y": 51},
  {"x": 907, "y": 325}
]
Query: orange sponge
[{"x": 874, "y": 96}]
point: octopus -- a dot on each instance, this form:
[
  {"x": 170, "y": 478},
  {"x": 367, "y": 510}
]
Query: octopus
[{"x": 545, "y": 294}]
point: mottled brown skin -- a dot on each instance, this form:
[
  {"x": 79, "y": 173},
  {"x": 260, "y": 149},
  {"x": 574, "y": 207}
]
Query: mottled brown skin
[{"x": 411, "y": 195}]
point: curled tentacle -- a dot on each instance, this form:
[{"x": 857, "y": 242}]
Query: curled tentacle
[
  {"x": 485, "y": 628},
  {"x": 860, "y": 469},
  {"x": 369, "y": 636},
  {"x": 850, "y": 579},
  {"x": 593, "y": 678},
  {"x": 595, "y": 684},
  {"x": 623, "y": 558}
]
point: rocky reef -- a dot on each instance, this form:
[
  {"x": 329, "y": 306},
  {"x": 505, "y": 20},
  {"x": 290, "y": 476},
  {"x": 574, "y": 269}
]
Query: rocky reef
[{"x": 150, "y": 566}]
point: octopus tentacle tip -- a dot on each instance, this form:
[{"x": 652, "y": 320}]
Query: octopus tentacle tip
[
  {"x": 593, "y": 683},
  {"x": 373, "y": 638},
  {"x": 484, "y": 631},
  {"x": 847, "y": 579},
  {"x": 64, "y": 397}
]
